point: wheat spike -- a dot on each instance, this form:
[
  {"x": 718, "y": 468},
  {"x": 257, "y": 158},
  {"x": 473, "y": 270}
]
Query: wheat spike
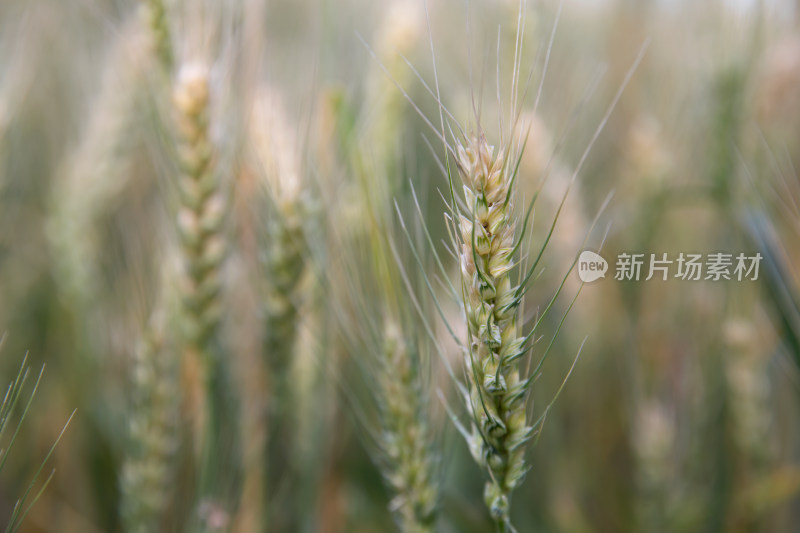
[
  {"x": 497, "y": 395},
  {"x": 284, "y": 264},
  {"x": 200, "y": 220},
  {"x": 154, "y": 13},
  {"x": 202, "y": 209},
  {"x": 147, "y": 473},
  {"x": 405, "y": 438},
  {"x": 96, "y": 172}
]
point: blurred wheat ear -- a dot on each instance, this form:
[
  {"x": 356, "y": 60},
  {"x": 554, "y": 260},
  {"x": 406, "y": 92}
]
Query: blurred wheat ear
[
  {"x": 409, "y": 461},
  {"x": 95, "y": 174},
  {"x": 9, "y": 408},
  {"x": 202, "y": 211},
  {"x": 385, "y": 336},
  {"x": 285, "y": 203},
  {"x": 486, "y": 237},
  {"x": 153, "y": 441},
  {"x": 387, "y": 344},
  {"x": 154, "y": 12}
]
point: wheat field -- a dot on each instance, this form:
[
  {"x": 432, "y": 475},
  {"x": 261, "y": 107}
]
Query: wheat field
[{"x": 346, "y": 266}]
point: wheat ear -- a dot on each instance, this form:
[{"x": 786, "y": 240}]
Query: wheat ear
[
  {"x": 284, "y": 266},
  {"x": 153, "y": 433},
  {"x": 496, "y": 394},
  {"x": 95, "y": 174},
  {"x": 154, "y": 13},
  {"x": 388, "y": 345},
  {"x": 203, "y": 205},
  {"x": 201, "y": 211},
  {"x": 405, "y": 437},
  {"x": 284, "y": 263}
]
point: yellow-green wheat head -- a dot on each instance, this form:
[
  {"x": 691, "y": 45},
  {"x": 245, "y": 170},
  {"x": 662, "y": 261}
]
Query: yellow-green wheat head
[{"x": 496, "y": 393}]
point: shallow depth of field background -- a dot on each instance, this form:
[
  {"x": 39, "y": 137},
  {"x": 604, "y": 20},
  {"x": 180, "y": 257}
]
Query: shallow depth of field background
[{"x": 682, "y": 412}]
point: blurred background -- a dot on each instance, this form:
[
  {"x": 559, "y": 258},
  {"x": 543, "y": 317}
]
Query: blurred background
[{"x": 681, "y": 414}]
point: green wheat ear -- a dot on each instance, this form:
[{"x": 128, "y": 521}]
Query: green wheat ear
[
  {"x": 384, "y": 338},
  {"x": 12, "y": 402},
  {"x": 487, "y": 236},
  {"x": 388, "y": 347},
  {"x": 96, "y": 173},
  {"x": 153, "y": 437},
  {"x": 154, "y": 13},
  {"x": 200, "y": 222}
]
